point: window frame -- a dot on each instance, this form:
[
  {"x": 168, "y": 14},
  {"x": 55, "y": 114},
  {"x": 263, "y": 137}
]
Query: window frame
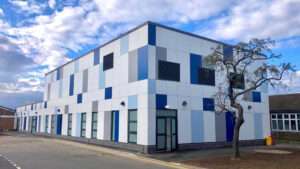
[
  {"x": 128, "y": 125},
  {"x": 83, "y": 129},
  {"x": 92, "y": 123},
  {"x": 70, "y": 122}
]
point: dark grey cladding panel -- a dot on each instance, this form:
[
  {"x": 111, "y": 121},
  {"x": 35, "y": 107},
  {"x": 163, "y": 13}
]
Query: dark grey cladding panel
[
  {"x": 95, "y": 106},
  {"x": 132, "y": 66},
  {"x": 85, "y": 80},
  {"x": 66, "y": 109},
  {"x": 160, "y": 54},
  {"x": 220, "y": 126}
]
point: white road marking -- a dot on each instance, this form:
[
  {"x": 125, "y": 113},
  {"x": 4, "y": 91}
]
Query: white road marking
[{"x": 11, "y": 162}]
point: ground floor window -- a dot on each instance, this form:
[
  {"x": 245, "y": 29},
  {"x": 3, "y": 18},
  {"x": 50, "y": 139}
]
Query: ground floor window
[
  {"x": 52, "y": 124},
  {"x": 69, "y": 133},
  {"x": 83, "y": 125},
  {"x": 132, "y": 126},
  {"x": 46, "y": 123},
  {"x": 40, "y": 119},
  {"x": 289, "y": 122},
  {"x": 94, "y": 124}
]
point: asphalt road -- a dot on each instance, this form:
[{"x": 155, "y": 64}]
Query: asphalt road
[{"x": 29, "y": 152}]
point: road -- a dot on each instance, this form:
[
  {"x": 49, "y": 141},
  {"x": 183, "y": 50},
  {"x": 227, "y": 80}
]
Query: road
[{"x": 28, "y": 152}]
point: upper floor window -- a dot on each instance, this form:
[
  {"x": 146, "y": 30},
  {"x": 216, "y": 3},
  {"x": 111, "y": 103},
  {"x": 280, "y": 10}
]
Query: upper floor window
[
  {"x": 79, "y": 98},
  {"x": 208, "y": 104},
  {"x": 96, "y": 56},
  {"x": 108, "y": 93},
  {"x": 256, "y": 96},
  {"x": 168, "y": 71},
  {"x": 206, "y": 76},
  {"x": 108, "y": 61},
  {"x": 237, "y": 81}
]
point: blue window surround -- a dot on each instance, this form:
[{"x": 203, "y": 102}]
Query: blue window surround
[
  {"x": 161, "y": 101},
  {"x": 79, "y": 98},
  {"x": 256, "y": 96},
  {"x": 195, "y": 64},
  {"x": 96, "y": 56},
  {"x": 58, "y": 74},
  {"x": 143, "y": 63},
  {"x": 208, "y": 104},
  {"x": 71, "y": 87},
  {"x": 108, "y": 93},
  {"x": 151, "y": 34}
]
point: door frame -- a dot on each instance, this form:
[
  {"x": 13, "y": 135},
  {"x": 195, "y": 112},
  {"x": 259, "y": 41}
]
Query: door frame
[
  {"x": 176, "y": 126},
  {"x": 113, "y": 127}
]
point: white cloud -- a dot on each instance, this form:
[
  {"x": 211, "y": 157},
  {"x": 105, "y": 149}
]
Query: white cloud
[
  {"x": 290, "y": 83},
  {"x": 52, "y": 3},
  {"x": 27, "y": 7},
  {"x": 1, "y": 12},
  {"x": 259, "y": 18}
]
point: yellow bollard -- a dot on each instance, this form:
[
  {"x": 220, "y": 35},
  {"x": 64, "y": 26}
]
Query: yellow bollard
[{"x": 269, "y": 141}]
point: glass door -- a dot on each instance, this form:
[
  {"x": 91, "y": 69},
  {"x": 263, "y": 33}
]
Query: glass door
[{"x": 166, "y": 130}]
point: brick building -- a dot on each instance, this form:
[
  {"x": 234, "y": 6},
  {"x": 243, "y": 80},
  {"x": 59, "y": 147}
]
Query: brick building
[{"x": 7, "y": 117}]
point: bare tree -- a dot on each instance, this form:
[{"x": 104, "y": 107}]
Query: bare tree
[{"x": 245, "y": 69}]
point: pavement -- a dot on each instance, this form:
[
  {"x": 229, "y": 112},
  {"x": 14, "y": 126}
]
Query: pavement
[
  {"x": 29, "y": 152},
  {"x": 23, "y": 150}
]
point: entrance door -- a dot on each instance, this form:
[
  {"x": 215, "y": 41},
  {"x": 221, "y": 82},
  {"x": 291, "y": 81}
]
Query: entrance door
[
  {"x": 166, "y": 130},
  {"x": 59, "y": 124},
  {"x": 53, "y": 124},
  {"x": 33, "y": 124},
  {"x": 115, "y": 126}
]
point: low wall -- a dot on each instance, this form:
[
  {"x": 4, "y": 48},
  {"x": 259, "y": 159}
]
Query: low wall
[{"x": 289, "y": 136}]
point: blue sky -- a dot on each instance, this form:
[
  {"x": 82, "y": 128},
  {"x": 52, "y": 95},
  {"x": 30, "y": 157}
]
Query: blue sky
[{"x": 38, "y": 35}]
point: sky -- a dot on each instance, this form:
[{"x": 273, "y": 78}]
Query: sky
[{"x": 39, "y": 35}]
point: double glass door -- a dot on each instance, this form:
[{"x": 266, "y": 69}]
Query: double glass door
[{"x": 166, "y": 130}]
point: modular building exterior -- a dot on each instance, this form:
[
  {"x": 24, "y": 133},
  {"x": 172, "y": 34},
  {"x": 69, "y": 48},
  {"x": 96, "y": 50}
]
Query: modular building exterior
[{"x": 147, "y": 90}]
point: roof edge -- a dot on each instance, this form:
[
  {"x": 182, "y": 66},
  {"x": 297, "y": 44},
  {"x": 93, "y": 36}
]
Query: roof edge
[{"x": 133, "y": 29}]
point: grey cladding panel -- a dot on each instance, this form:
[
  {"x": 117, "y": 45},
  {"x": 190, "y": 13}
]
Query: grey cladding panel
[
  {"x": 95, "y": 106},
  {"x": 85, "y": 81},
  {"x": 132, "y": 66},
  {"x": 220, "y": 122}
]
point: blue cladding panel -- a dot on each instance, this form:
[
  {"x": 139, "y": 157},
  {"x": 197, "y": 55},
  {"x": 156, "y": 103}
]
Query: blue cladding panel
[
  {"x": 197, "y": 126},
  {"x": 143, "y": 63},
  {"x": 132, "y": 102},
  {"x": 59, "y": 124},
  {"x": 101, "y": 77},
  {"x": 229, "y": 126},
  {"x": 124, "y": 45},
  {"x": 108, "y": 93},
  {"x": 256, "y": 96},
  {"x": 161, "y": 101},
  {"x": 79, "y": 98},
  {"x": 195, "y": 64},
  {"x": 151, "y": 86},
  {"x": 96, "y": 56},
  {"x": 116, "y": 136},
  {"x": 58, "y": 74},
  {"x": 208, "y": 104},
  {"x": 151, "y": 34},
  {"x": 71, "y": 87}
]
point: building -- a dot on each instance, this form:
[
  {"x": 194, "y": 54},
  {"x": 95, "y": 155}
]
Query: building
[
  {"x": 147, "y": 90},
  {"x": 7, "y": 117},
  {"x": 285, "y": 116}
]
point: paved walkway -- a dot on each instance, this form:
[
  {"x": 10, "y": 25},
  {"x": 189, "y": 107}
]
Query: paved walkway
[{"x": 41, "y": 153}]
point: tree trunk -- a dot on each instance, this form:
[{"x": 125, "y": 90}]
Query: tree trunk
[{"x": 239, "y": 120}]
